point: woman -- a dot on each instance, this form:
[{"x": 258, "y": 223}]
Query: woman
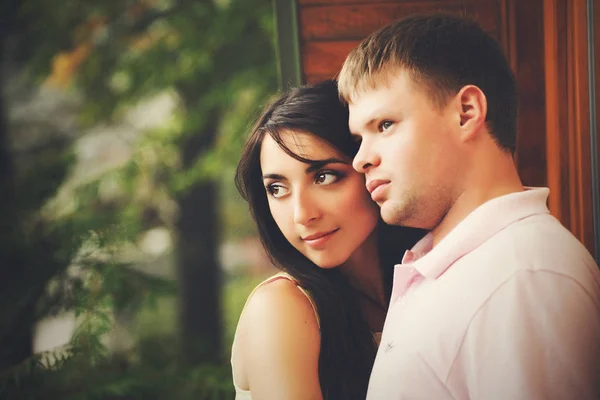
[{"x": 311, "y": 331}]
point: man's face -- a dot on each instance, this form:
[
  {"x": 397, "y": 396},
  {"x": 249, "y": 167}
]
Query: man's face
[{"x": 408, "y": 150}]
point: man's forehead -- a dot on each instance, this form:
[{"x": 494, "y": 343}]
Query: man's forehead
[
  {"x": 370, "y": 100},
  {"x": 366, "y": 107},
  {"x": 368, "y": 85},
  {"x": 359, "y": 116}
]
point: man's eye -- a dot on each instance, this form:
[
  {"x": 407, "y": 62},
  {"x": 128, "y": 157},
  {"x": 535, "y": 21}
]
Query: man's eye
[{"x": 385, "y": 125}]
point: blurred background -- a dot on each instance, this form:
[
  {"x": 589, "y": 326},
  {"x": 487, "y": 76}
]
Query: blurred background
[{"x": 126, "y": 253}]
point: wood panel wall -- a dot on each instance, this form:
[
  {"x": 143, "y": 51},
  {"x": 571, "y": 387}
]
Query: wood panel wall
[
  {"x": 596, "y": 204},
  {"x": 329, "y": 29},
  {"x": 545, "y": 43},
  {"x": 568, "y": 116}
]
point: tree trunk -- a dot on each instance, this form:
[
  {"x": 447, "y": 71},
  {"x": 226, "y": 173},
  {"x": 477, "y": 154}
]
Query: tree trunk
[
  {"x": 198, "y": 266},
  {"x": 15, "y": 347},
  {"x": 28, "y": 260}
]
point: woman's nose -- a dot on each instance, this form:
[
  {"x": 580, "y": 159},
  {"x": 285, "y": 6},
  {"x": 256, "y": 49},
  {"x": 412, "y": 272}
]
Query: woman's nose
[{"x": 306, "y": 208}]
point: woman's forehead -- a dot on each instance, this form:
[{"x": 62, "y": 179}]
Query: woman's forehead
[{"x": 303, "y": 144}]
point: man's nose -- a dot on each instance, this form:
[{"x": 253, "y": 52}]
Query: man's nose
[{"x": 365, "y": 158}]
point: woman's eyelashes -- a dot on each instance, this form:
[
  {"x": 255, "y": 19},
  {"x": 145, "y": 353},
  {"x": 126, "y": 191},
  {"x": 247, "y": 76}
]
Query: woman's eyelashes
[
  {"x": 328, "y": 177},
  {"x": 278, "y": 190}
]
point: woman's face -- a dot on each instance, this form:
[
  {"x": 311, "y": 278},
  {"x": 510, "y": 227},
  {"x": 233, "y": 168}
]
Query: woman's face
[{"x": 322, "y": 208}]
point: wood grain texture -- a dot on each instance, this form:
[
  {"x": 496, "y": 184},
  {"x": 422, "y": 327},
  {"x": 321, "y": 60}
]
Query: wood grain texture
[
  {"x": 597, "y": 81},
  {"x": 329, "y": 32},
  {"x": 345, "y": 22},
  {"x": 325, "y": 58},
  {"x": 546, "y": 44},
  {"x": 303, "y": 3},
  {"x": 526, "y": 55},
  {"x": 567, "y": 117}
]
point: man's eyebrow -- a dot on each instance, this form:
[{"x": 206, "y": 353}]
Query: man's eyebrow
[
  {"x": 318, "y": 164},
  {"x": 372, "y": 121},
  {"x": 368, "y": 124}
]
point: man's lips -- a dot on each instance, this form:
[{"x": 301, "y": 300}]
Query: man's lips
[
  {"x": 373, "y": 184},
  {"x": 376, "y": 187}
]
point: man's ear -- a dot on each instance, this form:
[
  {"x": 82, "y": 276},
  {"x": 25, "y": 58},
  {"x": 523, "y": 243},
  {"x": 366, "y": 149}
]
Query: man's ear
[{"x": 473, "y": 110}]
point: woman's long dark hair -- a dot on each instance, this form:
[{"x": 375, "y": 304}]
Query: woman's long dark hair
[{"x": 347, "y": 348}]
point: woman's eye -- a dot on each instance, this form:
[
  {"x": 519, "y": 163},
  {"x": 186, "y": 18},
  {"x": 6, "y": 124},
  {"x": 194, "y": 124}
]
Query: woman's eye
[
  {"x": 326, "y": 178},
  {"x": 385, "y": 125},
  {"x": 276, "y": 190}
]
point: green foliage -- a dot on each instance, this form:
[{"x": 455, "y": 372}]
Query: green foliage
[
  {"x": 154, "y": 376},
  {"x": 153, "y": 371},
  {"x": 69, "y": 244},
  {"x": 28, "y": 245}
]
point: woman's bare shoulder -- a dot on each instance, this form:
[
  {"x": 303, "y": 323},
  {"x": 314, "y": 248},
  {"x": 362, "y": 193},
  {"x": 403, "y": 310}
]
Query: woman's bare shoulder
[
  {"x": 279, "y": 301},
  {"x": 279, "y": 341}
]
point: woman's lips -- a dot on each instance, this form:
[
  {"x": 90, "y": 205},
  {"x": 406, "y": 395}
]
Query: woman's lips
[{"x": 319, "y": 239}]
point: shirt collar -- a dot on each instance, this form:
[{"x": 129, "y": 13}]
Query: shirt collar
[
  {"x": 482, "y": 223},
  {"x": 422, "y": 247}
]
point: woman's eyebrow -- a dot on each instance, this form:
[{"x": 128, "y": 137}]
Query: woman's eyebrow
[
  {"x": 274, "y": 176},
  {"x": 318, "y": 164},
  {"x": 314, "y": 166}
]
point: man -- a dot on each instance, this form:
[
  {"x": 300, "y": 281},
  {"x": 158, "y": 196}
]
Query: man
[{"x": 498, "y": 301}]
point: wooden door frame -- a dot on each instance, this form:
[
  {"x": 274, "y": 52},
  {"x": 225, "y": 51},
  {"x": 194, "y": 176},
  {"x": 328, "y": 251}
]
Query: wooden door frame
[
  {"x": 593, "y": 23},
  {"x": 568, "y": 130}
]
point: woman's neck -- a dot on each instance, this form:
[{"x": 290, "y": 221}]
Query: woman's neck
[{"x": 363, "y": 271}]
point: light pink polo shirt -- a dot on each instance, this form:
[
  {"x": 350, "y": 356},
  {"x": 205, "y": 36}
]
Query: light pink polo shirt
[{"x": 506, "y": 306}]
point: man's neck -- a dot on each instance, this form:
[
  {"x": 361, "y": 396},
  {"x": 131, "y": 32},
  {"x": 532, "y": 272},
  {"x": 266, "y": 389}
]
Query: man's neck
[{"x": 486, "y": 182}]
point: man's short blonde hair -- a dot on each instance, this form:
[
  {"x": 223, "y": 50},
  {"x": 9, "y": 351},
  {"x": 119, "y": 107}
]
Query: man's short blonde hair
[
  {"x": 380, "y": 56},
  {"x": 441, "y": 53},
  {"x": 366, "y": 69}
]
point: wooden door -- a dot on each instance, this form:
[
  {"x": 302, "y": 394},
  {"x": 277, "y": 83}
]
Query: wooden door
[
  {"x": 544, "y": 42},
  {"x": 569, "y": 132}
]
